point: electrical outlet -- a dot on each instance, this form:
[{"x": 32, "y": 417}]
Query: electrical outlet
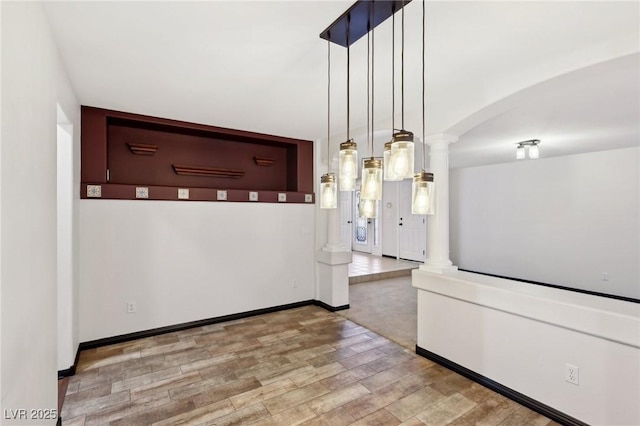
[
  {"x": 295, "y": 283},
  {"x": 604, "y": 276},
  {"x": 131, "y": 307},
  {"x": 572, "y": 374}
]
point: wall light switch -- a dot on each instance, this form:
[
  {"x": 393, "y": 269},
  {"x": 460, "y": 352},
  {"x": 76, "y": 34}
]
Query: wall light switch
[
  {"x": 94, "y": 191},
  {"x": 142, "y": 192},
  {"x": 183, "y": 193}
]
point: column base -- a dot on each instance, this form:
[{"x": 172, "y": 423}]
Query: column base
[
  {"x": 333, "y": 277},
  {"x": 439, "y": 269},
  {"x": 336, "y": 248}
]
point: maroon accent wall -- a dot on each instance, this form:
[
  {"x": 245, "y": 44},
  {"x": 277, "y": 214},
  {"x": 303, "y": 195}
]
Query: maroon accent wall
[{"x": 144, "y": 151}]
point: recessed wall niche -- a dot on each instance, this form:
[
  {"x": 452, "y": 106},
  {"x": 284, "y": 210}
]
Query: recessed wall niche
[{"x": 122, "y": 151}]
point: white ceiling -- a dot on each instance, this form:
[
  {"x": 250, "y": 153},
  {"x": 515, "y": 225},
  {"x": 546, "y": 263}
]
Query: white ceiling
[{"x": 497, "y": 72}]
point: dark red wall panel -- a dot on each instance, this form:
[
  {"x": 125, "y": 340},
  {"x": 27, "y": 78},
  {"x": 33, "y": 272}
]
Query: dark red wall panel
[{"x": 147, "y": 151}]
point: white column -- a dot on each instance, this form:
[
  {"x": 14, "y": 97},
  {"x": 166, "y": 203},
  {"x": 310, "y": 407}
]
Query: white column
[
  {"x": 333, "y": 231},
  {"x": 438, "y": 224},
  {"x": 333, "y": 264}
]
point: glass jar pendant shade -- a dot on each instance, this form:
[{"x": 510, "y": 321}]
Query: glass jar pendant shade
[
  {"x": 534, "y": 152},
  {"x": 368, "y": 209},
  {"x": 402, "y": 155},
  {"x": 422, "y": 197},
  {"x": 371, "y": 188},
  {"x": 328, "y": 191},
  {"x": 389, "y": 174},
  {"x": 348, "y": 165}
]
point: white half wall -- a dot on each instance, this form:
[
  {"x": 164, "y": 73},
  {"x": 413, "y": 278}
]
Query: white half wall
[
  {"x": 187, "y": 261},
  {"x": 562, "y": 220},
  {"x": 33, "y": 83},
  {"x": 522, "y": 336}
]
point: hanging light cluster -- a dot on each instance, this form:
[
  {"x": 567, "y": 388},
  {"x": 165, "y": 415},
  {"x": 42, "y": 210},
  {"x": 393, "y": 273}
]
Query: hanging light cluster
[{"x": 398, "y": 158}]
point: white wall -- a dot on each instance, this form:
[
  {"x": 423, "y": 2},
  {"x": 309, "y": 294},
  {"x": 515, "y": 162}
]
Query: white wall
[
  {"x": 33, "y": 82},
  {"x": 563, "y": 220},
  {"x": 68, "y": 196},
  {"x": 522, "y": 336},
  {"x": 187, "y": 261}
]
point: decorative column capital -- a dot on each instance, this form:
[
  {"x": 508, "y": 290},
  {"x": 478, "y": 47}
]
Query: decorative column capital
[{"x": 441, "y": 140}]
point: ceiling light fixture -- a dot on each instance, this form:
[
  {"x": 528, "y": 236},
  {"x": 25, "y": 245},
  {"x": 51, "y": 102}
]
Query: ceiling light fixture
[
  {"x": 360, "y": 19},
  {"x": 402, "y": 148},
  {"x": 531, "y": 145},
  {"x": 328, "y": 188},
  {"x": 371, "y": 183},
  {"x": 422, "y": 200}
]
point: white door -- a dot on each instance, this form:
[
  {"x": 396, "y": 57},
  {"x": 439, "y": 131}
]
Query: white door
[
  {"x": 346, "y": 218},
  {"x": 412, "y": 228},
  {"x": 389, "y": 219},
  {"x": 362, "y": 227}
]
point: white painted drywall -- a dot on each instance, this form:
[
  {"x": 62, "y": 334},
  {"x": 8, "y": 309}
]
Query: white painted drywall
[
  {"x": 522, "y": 336},
  {"x": 33, "y": 82},
  {"x": 65, "y": 190},
  {"x": 562, "y": 220},
  {"x": 187, "y": 261}
]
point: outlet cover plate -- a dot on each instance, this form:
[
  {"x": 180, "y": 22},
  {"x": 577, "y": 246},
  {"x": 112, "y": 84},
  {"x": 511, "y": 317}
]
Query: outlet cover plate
[
  {"x": 253, "y": 196},
  {"x": 221, "y": 195},
  {"x": 183, "y": 193},
  {"x": 572, "y": 374},
  {"x": 282, "y": 197}
]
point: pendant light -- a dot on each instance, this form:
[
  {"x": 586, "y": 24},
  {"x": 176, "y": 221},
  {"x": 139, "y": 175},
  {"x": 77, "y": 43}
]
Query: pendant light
[
  {"x": 371, "y": 188},
  {"x": 348, "y": 157},
  {"x": 368, "y": 208},
  {"x": 328, "y": 188},
  {"x": 389, "y": 172},
  {"x": 422, "y": 201},
  {"x": 402, "y": 148}
]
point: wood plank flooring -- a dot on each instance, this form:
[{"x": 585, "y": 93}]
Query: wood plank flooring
[{"x": 301, "y": 366}]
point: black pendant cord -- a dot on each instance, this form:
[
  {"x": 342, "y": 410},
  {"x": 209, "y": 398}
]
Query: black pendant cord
[
  {"x": 348, "y": 84},
  {"x": 368, "y": 88},
  {"x": 393, "y": 71},
  {"x": 373, "y": 84},
  {"x": 402, "y": 60},
  {"x": 424, "y": 110},
  {"x": 328, "y": 105}
]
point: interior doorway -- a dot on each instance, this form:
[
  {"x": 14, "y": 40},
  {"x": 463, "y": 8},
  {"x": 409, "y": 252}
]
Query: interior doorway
[
  {"x": 365, "y": 231},
  {"x": 412, "y": 228}
]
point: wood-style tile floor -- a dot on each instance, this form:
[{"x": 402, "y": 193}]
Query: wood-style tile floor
[
  {"x": 301, "y": 366},
  {"x": 366, "y": 267}
]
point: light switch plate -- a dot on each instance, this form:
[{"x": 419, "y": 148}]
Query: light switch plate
[
  {"x": 142, "y": 192},
  {"x": 282, "y": 197},
  {"x": 308, "y": 198},
  {"x": 221, "y": 195},
  {"x": 94, "y": 191},
  {"x": 183, "y": 193},
  {"x": 253, "y": 196}
]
